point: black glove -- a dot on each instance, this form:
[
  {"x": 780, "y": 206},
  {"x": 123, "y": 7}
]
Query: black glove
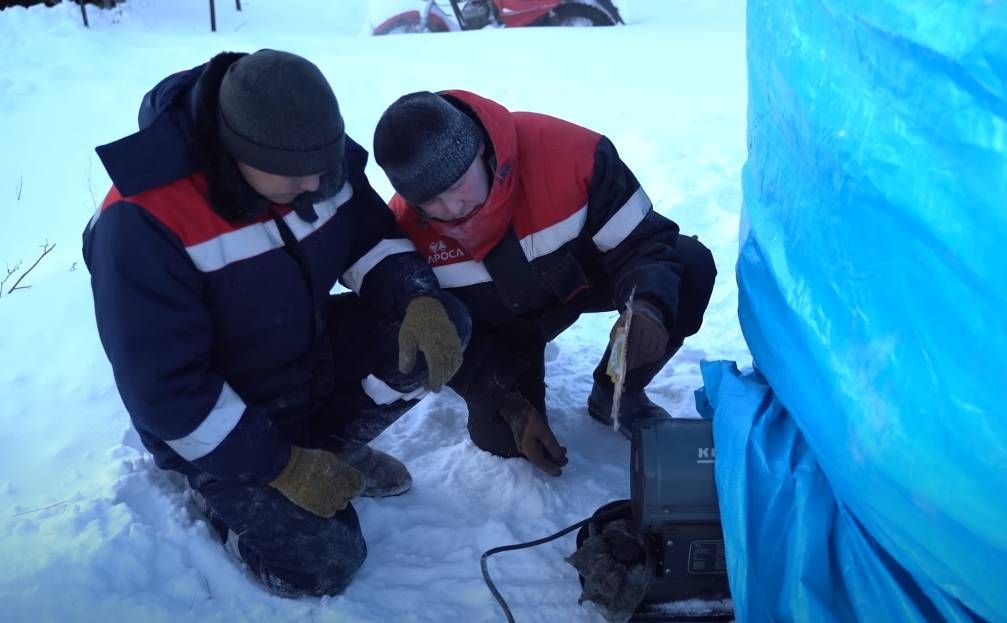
[
  {"x": 532, "y": 434},
  {"x": 648, "y": 339}
]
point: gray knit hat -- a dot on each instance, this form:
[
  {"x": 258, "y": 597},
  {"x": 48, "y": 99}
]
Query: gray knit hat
[
  {"x": 425, "y": 144},
  {"x": 277, "y": 113}
]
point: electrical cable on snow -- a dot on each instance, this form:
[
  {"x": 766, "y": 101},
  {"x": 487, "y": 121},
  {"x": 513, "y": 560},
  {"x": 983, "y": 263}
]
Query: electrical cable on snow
[{"x": 612, "y": 512}]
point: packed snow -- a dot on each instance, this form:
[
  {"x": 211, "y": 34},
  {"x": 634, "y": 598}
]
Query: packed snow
[{"x": 91, "y": 530}]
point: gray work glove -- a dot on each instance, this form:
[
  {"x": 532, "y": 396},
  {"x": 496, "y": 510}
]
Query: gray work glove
[
  {"x": 426, "y": 327},
  {"x": 318, "y": 482}
]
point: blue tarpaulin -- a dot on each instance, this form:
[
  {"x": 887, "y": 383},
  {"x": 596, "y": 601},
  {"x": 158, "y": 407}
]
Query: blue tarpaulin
[{"x": 862, "y": 469}]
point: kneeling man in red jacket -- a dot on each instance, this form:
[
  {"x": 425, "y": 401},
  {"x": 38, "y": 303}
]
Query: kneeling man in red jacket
[{"x": 531, "y": 221}]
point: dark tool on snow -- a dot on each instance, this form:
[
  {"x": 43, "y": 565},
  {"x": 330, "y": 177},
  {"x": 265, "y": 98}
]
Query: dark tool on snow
[{"x": 660, "y": 555}]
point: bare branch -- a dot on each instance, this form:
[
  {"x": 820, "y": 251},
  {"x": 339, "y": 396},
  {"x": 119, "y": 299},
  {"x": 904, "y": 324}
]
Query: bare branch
[
  {"x": 35, "y": 510},
  {"x": 10, "y": 271},
  {"x": 46, "y": 247},
  {"x": 90, "y": 187}
]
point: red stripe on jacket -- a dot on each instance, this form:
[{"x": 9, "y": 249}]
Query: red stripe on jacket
[{"x": 183, "y": 207}]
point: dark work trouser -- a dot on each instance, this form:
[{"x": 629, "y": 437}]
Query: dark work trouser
[
  {"x": 491, "y": 433},
  {"x": 292, "y": 551}
]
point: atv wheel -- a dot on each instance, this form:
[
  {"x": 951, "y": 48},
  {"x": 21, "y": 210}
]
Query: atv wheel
[{"x": 577, "y": 14}]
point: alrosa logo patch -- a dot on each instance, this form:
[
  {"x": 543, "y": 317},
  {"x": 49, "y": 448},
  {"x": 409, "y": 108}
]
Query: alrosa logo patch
[{"x": 439, "y": 253}]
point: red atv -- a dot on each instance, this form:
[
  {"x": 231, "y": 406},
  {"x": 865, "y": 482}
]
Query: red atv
[{"x": 476, "y": 14}]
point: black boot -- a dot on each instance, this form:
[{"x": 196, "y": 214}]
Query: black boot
[{"x": 634, "y": 405}]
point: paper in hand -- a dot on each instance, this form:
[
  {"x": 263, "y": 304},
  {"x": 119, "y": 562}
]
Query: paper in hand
[{"x": 616, "y": 367}]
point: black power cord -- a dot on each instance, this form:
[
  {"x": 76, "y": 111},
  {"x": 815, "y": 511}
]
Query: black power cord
[{"x": 608, "y": 514}]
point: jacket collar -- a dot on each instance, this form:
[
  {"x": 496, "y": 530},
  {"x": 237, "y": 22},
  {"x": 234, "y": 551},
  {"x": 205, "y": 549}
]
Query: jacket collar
[{"x": 178, "y": 138}]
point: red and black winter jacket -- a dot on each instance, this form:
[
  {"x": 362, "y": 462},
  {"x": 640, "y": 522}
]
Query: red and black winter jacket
[
  {"x": 565, "y": 222},
  {"x": 208, "y": 322}
]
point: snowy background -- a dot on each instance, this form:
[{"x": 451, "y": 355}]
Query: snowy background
[{"x": 91, "y": 530}]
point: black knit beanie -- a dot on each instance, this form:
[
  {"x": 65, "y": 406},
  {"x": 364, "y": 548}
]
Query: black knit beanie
[
  {"x": 278, "y": 114},
  {"x": 425, "y": 144}
]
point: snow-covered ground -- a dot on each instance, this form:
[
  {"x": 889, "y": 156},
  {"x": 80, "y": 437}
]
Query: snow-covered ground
[{"x": 91, "y": 530}]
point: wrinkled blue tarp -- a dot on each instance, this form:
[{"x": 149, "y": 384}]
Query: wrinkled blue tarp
[{"x": 873, "y": 296}]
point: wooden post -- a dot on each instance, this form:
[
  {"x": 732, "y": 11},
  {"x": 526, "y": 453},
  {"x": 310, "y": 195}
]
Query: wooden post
[
  {"x": 213, "y": 17},
  {"x": 237, "y": 4},
  {"x": 83, "y": 13}
]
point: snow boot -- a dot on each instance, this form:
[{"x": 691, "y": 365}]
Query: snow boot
[
  {"x": 384, "y": 475},
  {"x": 634, "y": 406}
]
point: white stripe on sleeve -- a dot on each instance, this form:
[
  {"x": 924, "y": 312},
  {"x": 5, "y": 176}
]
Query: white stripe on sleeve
[
  {"x": 214, "y": 429},
  {"x": 623, "y": 222},
  {"x": 553, "y": 237},
  {"x": 462, "y": 274},
  {"x": 383, "y": 394},
  {"x": 354, "y": 275}
]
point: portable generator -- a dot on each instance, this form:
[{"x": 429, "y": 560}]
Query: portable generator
[
  {"x": 675, "y": 508},
  {"x": 658, "y": 556}
]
